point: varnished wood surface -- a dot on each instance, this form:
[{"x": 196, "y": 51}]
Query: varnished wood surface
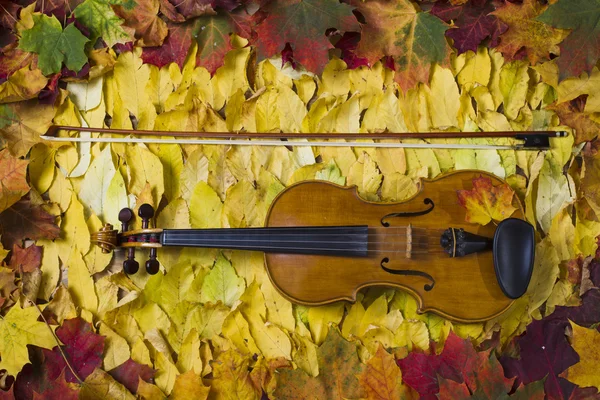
[{"x": 466, "y": 288}]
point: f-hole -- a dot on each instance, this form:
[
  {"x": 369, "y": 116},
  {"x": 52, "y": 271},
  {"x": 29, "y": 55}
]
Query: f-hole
[
  {"x": 427, "y": 201},
  {"x": 411, "y": 272}
]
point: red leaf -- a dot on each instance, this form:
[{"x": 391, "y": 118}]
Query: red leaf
[
  {"x": 25, "y": 259},
  {"x": 129, "y": 373},
  {"x": 545, "y": 352},
  {"x": 58, "y": 389},
  {"x": 303, "y": 24},
  {"x": 347, "y": 44},
  {"x": 473, "y": 23},
  {"x": 82, "y": 347},
  {"x": 174, "y": 48},
  {"x": 61, "y": 9},
  {"x": 26, "y": 221}
]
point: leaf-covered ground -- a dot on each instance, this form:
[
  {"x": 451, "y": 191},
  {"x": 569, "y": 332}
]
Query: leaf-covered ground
[{"x": 210, "y": 324}]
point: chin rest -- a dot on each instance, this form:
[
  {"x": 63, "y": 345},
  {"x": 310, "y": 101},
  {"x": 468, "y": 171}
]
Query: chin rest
[{"x": 513, "y": 250}]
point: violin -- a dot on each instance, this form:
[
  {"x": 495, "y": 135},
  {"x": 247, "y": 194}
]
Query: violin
[{"x": 323, "y": 243}]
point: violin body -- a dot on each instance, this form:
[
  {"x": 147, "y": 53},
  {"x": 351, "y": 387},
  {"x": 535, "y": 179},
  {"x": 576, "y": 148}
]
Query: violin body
[{"x": 466, "y": 289}]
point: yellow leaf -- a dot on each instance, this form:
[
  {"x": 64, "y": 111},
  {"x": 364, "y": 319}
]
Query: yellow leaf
[
  {"x": 62, "y": 304},
  {"x": 144, "y": 167},
  {"x": 545, "y": 274},
  {"x": 231, "y": 76},
  {"x": 492, "y": 121},
  {"x": 443, "y": 98},
  {"x": 514, "y": 81},
  {"x": 397, "y": 187},
  {"x": 75, "y": 236},
  {"x": 152, "y": 316},
  {"x": 279, "y": 310},
  {"x": 342, "y": 118},
  {"x": 268, "y": 74},
  {"x": 24, "y": 124},
  {"x": 148, "y": 391},
  {"x": 421, "y": 163},
  {"x": 384, "y": 112},
  {"x": 86, "y": 95},
  {"x": 485, "y": 160},
  {"x": 335, "y": 79},
  {"x": 305, "y": 86},
  {"x": 116, "y": 349},
  {"x": 175, "y": 215},
  {"x": 291, "y": 110},
  {"x": 41, "y": 167},
  {"x": 189, "y": 386},
  {"x": 331, "y": 173},
  {"x": 231, "y": 377},
  {"x": 366, "y": 176},
  {"x": 250, "y": 265},
  {"x": 236, "y": 329},
  {"x": 166, "y": 373},
  {"x": 81, "y": 284},
  {"x": 170, "y": 289},
  {"x": 412, "y": 334},
  {"x": 573, "y": 87},
  {"x": 305, "y": 355},
  {"x": 107, "y": 295},
  {"x": 49, "y": 266},
  {"x": 476, "y": 70},
  {"x": 222, "y": 284},
  {"x": 140, "y": 353},
  {"x": 172, "y": 162},
  {"x": 100, "y": 385},
  {"x": 320, "y": 317},
  {"x": 382, "y": 379},
  {"x": 24, "y": 84},
  {"x": 194, "y": 170},
  {"x": 553, "y": 191},
  {"x": 205, "y": 207},
  {"x": 131, "y": 76},
  {"x": 160, "y": 84},
  {"x": 115, "y": 199},
  {"x": 266, "y": 112},
  {"x": 586, "y": 343},
  {"x": 19, "y": 328},
  {"x": 189, "y": 355}
]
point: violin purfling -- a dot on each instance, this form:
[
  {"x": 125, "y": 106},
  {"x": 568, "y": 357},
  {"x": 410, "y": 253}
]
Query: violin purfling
[{"x": 323, "y": 243}]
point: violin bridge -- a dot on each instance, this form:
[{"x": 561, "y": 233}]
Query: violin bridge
[{"x": 409, "y": 241}]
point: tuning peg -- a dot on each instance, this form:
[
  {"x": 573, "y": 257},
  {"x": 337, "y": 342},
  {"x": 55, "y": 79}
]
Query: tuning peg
[
  {"x": 152, "y": 265},
  {"x": 130, "y": 266},
  {"x": 125, "y": 215},
  {"x": 146, "y": 212}
]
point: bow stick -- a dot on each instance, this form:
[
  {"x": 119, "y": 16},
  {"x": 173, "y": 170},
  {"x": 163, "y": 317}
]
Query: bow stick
[{"x": 538, "y": 140}]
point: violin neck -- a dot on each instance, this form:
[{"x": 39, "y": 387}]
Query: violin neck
[{"x": 350, "y": 241}]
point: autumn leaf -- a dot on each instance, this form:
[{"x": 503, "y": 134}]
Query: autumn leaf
[
  {"x": 24, "y": 220},
  {"x": 58, "y": 389},
  {"x": 586, "y": 343},
  {"x": 338, "y": 368},
  {"x": 22, "y": 123},
  {"x": 100, "y": 385},
  {"x": 82, "y": 347},
  {"x": 24, "y": 84},
  {"x": 486, "y": 202},
  {"x": 544, "y": 352},
  {"x": 54, "y": 45},
  {"x": 303, "y": 24},
  {"x": 398, "y": 28},
  {"x": 175, "y": 46},
  {"x": 19, "y": 328},
  {"x": 473, "y": 23},
  {"x": 231, "y": 376},
  {"x": 13, "y": 182},
  {"x": 26, "y": 259},
  {"x": 130, "y": 373},
  {"x": 99, "y": 17},
  {"x": 189, "y": 385},
  {"x": 382, "y": 378},
  {"x": 571, "y": 113},
  {"x": 579, "y": 51},
  {"x": 150, "y": 29},
  {"x": 524, "y": 32}
]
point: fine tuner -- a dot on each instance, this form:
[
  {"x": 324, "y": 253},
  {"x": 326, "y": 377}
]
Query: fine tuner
[{"x": 323, "y": 243}]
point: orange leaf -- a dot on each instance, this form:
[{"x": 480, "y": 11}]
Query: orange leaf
[
  {"x": 189, "y": 386},
  {"x": 486, "y": 202},
  {"x": 13, "y": 184},
  {"x": 383, "y": 379}
]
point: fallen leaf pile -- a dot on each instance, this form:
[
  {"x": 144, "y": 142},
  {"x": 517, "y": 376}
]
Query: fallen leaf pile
[{"x": 210, "y": 324}]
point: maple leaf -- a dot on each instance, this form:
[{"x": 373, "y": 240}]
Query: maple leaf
[
  {"x": 19, "y": 328},
  {"x": 188, "y": 9},
  {"x": 26, "y": 259},
  {"x": 99, "y": 17},
  {"x": 214, "y": 36},
  {"x": 524, "y": 32},
  {"x": 99, "y": 385},
  {"x": 58, "y": 389},
  {"x": 9, "y": 15},
  {"x": 232, "y": 378},
  {"x": 7, "y": 284},
  {"x": 61, "y": 9},
  {"x": 13, "y": 59},
  {"x": 544, "y": 352},
  {"x": 586, "y": 343},
  {"x": 382, "y": 378},
  {"x": 82, "y": 347},
  {"x": 303, "y": 24},
  {"x": 130, "y": 372},
  {"x": 22, "y": 123},
  {"x": 398, "y": 28},
  {"x": 13, "y": 182},
  {"x": 571, "y": 113},
  {"x": 348, "y": 44},
  {"x": 175, "y": 46},
  {"x": 189, "y": 385},
  {"x": 587, "y": 314},
  {"x": 54, "y": 45},
  {"x": 338, "y": 366},
  {"x": 579, "y": 51},
  {"x": 486, "y": 202},
  {"x": 150, "y": 29},
  {"x": 473, "y": 23},
  {"x": 26, "y": 221}
]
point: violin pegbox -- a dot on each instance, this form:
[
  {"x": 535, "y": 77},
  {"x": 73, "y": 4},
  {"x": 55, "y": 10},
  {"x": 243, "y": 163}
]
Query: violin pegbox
[{"x": 109, "y": 239}]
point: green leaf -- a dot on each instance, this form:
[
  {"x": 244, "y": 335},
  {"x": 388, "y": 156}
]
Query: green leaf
[
  {"x": 222, "y": 284},
  {"x": 54, "y": 45},
  {"x": 101, "y": 20}
]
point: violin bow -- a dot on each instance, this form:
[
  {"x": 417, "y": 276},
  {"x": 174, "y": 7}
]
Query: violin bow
[{"x": 531, "y": 140}]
